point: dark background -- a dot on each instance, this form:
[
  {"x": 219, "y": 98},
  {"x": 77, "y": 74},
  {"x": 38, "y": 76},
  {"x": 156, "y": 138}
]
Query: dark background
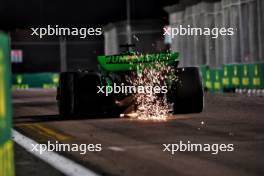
[
  {"x": 28, "y": 13},
  {"x": 43, "y": 55}
]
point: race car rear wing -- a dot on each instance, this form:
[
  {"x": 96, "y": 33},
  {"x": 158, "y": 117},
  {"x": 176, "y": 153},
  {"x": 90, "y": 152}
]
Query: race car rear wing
[{"x": 131, "y": 61}]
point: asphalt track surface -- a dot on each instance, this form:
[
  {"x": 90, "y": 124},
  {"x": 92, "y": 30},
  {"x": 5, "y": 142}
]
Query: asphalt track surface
[{"x": 132, "y": 147}]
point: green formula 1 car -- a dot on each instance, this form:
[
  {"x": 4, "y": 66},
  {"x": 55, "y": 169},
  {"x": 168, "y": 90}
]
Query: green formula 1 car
[{"x": 79, "y": 92}]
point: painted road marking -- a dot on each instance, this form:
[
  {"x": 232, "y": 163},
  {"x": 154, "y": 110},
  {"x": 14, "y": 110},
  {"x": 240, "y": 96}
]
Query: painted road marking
[
  {"x": 59, "y": 162},
  {"x": 52, "y": 133},
  {"x": 116, "y": 149},
  {"x": 45, "y": 131},
  {"x": 31, "y": 100},
  {"x": 129, "y": 147}
]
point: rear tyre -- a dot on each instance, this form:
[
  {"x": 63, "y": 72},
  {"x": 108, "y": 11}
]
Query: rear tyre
[
  {"x": 65, "y": 94},
  {"x": 187, "y": 92}
]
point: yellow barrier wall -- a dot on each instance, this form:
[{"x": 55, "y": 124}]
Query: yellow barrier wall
[{"x": 6, "y": 143}]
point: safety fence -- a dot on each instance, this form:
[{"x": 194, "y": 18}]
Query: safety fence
[
  {"x": 6, "y": 144},
  {"x": 246, "y": 17},
  {"x": 231, "y": 77}
]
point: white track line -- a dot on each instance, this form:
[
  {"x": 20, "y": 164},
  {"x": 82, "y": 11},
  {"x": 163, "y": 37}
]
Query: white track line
[
  {"x": 116, "y": 149},
  {"x": 62, "y": 164}
]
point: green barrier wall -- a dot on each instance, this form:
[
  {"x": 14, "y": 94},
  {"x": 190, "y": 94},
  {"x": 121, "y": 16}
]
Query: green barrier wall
[
  {"x": 257, "y": 75},
  {"x": 226, "y": 80},
  {"x": 35, "y": 80},
  {"x": 233, "y": 76},
  {"x": 236, "y": 75},
  {"x": 246, "y": 80},
  {"x": 6, "y": 144},
  {"x": 208, "y": 80},
  {"x": 229, "y": 77},
  {"x": 217, "y": 76},
  {"x": 203, "y": 70}
]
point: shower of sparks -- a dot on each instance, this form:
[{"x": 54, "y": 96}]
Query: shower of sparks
[
  {"x": 153, "y": 106},
  {"x": 136, "y": 38}
]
